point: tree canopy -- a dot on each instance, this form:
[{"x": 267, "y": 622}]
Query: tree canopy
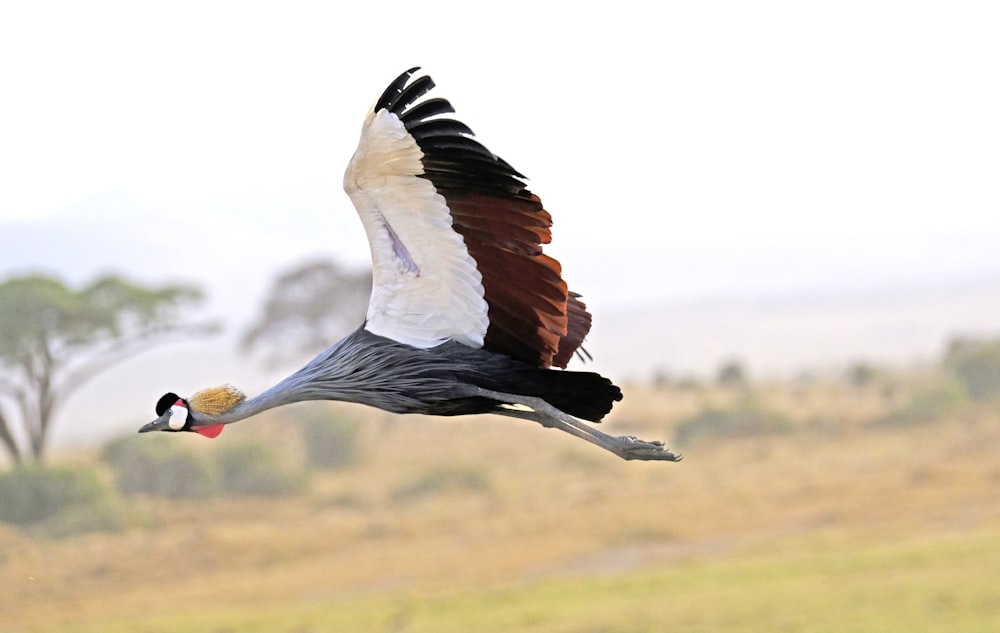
[
  {"x": 309, "y": 308},
  {"x": 54, "y": 338}
]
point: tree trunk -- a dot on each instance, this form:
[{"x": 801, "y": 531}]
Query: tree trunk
[
  {"x": 40, "y": 431},
  {"x": 13, "y": 451}
]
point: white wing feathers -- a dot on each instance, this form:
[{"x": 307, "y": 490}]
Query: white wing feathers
[{"x": 427, "y": 288}]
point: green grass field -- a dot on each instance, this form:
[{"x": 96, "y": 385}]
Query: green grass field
[
  {"x": 915, "y": 585},
  {"x": 485, "y": 524}
]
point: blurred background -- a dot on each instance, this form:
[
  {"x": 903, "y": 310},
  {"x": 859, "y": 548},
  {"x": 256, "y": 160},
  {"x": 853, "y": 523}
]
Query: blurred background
[{"x": 784, "y": 218}]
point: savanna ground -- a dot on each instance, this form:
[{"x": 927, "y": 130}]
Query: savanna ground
[{"x": 490, "y": 524}]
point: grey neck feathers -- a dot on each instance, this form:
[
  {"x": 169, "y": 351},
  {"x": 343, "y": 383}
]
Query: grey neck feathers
[{"x": 363, "y": 368}]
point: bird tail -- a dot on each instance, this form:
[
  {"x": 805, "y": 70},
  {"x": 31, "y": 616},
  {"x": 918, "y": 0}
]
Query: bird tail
[
  {"x": 582, "y": 394},
  {"x": 585, "y": 395}
]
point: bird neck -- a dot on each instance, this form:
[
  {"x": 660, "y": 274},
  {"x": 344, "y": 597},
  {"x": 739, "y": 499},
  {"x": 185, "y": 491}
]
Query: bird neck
[
  {"x": 235, "y": 408},
  {"x": 351, "y": 370},
  {"x": 227, "y": 404}
]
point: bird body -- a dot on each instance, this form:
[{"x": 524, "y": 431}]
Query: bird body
[
  {"x": 467, "y": 315},
  {"x": 442, "y": 380}
]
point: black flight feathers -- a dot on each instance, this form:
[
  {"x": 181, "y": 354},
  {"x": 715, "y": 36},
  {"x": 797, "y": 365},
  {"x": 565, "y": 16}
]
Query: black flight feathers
[{"x": 453, "y": 158}]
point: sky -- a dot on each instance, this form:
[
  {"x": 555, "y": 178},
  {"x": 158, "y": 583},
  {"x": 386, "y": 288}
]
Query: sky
[{"x": 685, "y": 149}]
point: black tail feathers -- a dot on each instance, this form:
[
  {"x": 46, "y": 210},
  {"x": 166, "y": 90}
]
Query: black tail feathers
[{"x": 584, "y": 395}]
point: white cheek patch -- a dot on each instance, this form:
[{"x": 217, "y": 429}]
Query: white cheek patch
[{"x": 178, "y": 417}]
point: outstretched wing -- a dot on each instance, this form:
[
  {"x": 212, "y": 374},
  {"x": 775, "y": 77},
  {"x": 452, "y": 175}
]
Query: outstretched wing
[{"x": 456, "y": 237}]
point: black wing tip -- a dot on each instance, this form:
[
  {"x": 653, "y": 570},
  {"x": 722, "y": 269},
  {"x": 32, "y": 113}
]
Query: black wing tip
[
  {"x": 404, "y": 97},
  {"x": 394, "y": 89},
  {"x": 452, "y": 153}
]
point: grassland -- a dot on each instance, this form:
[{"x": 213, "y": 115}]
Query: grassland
[{"x": 487, "y": 524}]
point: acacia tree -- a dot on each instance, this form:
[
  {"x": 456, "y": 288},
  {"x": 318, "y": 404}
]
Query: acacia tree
[
  {"x": 308, "y": 308},
  {"x": 53, "y": 339}
]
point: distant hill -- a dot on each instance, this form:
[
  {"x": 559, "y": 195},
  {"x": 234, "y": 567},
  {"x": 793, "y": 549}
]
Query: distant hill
[{"x": 789, "y": 332}]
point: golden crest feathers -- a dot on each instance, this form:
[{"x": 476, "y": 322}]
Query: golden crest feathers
[{"x": 217, "y": 400}]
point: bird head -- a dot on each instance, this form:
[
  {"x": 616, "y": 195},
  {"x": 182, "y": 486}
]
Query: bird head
[{"x": 195, "y": 413}]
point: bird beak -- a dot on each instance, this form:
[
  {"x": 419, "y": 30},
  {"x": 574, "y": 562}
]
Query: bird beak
[{"x": 159, "y": 424}]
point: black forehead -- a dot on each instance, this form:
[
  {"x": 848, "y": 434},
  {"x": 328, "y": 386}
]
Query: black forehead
[{"x": 166, "y": 402}]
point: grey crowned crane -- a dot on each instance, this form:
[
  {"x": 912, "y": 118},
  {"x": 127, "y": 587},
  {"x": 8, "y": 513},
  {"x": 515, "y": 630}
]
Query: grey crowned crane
[{"x": 467, "y": 314}]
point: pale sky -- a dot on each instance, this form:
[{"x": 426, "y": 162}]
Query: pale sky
[{"x": 681, "y": 147}]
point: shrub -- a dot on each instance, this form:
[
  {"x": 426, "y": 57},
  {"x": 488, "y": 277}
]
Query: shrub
[
  {"x": 331, "y": 442},
  {"x": 163, "y": 467},
  {"x": 862, "y": 374},
  {"x": 60, "y": 499},
  {"x": 442, "y": 479},
  {"x": 256, "y": 469},
  {"x": 745, "y": 419},
  {"x": 976, "y": 364},
  {"x": 927, "y": 405},
  {"x": 169, "y": 468}
]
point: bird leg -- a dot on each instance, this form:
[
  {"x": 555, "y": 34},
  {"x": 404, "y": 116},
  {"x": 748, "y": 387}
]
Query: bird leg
[{"x": 540, "y": 411}]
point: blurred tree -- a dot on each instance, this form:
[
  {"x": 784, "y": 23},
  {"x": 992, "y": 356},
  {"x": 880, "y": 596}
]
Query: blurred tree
[
  {"x": 308, "y": 308},
  {"x": 732, "y": 374},
  {"x": 54, "y": 339},
  {"x": 862, "y": 374}
]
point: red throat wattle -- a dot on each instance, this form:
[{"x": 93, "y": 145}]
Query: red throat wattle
[{"x": 212, "y": 430}]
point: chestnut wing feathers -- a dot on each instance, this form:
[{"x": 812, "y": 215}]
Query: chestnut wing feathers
[{"x": 532, "y": 314}]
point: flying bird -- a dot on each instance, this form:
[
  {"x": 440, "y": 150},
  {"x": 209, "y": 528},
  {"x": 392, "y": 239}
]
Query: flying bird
[{"x": 467, "y": 315}]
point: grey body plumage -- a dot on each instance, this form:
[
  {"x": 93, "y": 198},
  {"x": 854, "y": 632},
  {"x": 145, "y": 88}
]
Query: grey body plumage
[{"x": 442, "y": 380}]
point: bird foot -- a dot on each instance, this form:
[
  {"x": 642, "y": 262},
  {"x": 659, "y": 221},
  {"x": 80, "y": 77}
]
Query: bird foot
[
  {"x": 632, "y": 447},
  {"x": 540, "y": 411}
]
